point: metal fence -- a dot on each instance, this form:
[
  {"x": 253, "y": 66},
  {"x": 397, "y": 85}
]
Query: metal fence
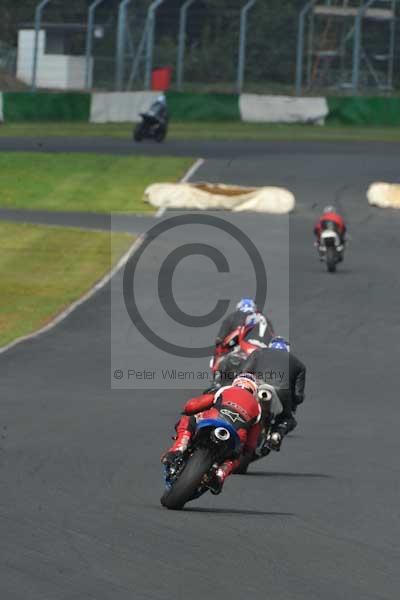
[
  {"x": 214, "y": 45},
  {"x": 347, "y": 45}
]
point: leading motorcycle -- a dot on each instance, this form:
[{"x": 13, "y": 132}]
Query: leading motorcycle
[{"x": 189, "y": 477}]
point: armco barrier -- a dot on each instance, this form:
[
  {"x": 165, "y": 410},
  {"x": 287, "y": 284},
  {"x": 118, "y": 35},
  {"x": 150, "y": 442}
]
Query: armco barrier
[
  {"x": 46, "y": 106},
  {"x": 359, "y": 110},
  {"x": 125, "y": 106},
  {"x": 203, "y": 107}
]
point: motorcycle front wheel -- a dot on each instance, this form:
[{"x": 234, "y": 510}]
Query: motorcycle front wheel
[
  {"x": 186, "y": 486},
  {"x": 139, "y": 132},
  {"x": 331, "y": 259}
]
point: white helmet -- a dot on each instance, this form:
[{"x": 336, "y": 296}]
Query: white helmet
[{"x": 246, "y": 381}]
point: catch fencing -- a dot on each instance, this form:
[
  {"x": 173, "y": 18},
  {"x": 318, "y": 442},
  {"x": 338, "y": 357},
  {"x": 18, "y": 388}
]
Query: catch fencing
[{"x": 229, "y": 46}]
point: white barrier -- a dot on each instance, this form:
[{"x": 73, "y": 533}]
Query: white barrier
[
  {"x": 1, "y": 108},
  {"x": 384, "y": 195},
  {"x": 206, "y": 196},
  {"x": 120, "y": 107},
  {"x": 282, "y": 109}
]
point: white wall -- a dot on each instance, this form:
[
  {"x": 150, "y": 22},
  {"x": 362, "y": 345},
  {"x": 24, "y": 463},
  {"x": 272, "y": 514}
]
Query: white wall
[
  {"x": 58, "y": 71},
  {"x": 120, "y": 107},
  {"x": 282, "y": 109}
]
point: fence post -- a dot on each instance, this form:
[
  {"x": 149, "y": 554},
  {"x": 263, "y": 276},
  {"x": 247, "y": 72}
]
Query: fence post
[
  {"x": 137, "y": 57},
  {"x": 182, "y": 42},
  {"x": 392, "y": 42},
  {"x": 355, "y": 79},
  {"x": 89, "y": 42},
  {"x": 150, "y": 41},
  {"x": 300, "y": 45},
  {"x": 38, "y": 19},
  {"x": 119, "y": 71},
  {"x": 242, "y": 44}
]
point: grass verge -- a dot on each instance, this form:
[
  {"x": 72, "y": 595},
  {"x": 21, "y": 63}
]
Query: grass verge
[
  {"x": 211, "y": 131},
  {"x": 83, "y": 182},
  {"x": 44, "y": 269}
]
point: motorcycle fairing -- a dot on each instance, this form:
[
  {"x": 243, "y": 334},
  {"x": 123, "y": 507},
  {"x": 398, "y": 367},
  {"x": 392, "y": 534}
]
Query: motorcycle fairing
[{"x": 234, "y": 439}]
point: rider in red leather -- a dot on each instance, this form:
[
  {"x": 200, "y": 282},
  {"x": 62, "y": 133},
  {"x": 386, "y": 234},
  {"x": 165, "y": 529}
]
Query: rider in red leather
[
  {"x": 238, "y": 405},
  {"x": 330, "y": 216}
]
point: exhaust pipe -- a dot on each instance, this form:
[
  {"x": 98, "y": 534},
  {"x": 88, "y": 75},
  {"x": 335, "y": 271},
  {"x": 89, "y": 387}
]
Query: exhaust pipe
[
  {"x": 221, "y": 434},
  {"x": 265, "y": 395}
]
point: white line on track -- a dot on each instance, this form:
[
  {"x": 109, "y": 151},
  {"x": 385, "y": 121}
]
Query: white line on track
[{"x": 100, "y": 284}]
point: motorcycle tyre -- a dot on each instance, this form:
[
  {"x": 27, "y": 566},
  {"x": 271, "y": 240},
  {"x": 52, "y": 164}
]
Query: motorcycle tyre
[
  {"x": 331, "y": 260},
  {"x": 139, "y": 132},
  {"x": 186, "y": 486}
]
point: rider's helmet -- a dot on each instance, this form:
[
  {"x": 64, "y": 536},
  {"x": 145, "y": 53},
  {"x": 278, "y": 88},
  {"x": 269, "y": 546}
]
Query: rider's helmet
[
  {"x": 279, "y": 343},
  {"x": 246, "y": 305},
  {"x": 246, "y": 381},
  {"x": 329, "y": 209}
]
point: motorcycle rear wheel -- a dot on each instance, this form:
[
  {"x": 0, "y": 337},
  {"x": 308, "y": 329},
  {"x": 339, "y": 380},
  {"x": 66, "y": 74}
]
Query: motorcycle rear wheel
[
  {"x": 183, "y": 490},
  {"x": 160, "y": 134}
]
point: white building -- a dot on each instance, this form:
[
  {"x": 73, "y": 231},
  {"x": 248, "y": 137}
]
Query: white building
[{"x": 57, "y": 67}]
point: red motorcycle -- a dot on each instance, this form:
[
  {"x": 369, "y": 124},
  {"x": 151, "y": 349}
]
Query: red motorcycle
[{"x": 231, "y": 353}]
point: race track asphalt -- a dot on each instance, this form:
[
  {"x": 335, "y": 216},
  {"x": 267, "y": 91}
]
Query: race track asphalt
[{"x": 79, "y": 462}]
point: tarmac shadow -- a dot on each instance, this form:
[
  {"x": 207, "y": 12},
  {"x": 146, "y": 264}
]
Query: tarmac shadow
[
  {"x": 288, "y": 474},
  {"x": 237, "y": 511}
]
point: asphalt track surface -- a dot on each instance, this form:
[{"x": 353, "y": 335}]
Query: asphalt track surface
[{"x": 79, "y": 462}]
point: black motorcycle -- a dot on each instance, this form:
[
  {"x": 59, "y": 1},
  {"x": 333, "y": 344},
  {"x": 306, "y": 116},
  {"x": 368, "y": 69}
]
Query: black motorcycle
[
  {"x": 271, "y": 407},
  {"x": 154, "y": 123},
  {"x": 190, "y": 477}
]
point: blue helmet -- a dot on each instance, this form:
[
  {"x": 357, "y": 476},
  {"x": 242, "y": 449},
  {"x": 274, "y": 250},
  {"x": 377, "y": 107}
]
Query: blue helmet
[
  {"x": 246, "y": 305},
  {"x": 279, "y": 343}
]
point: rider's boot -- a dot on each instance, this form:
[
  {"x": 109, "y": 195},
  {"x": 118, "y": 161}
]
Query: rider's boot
[
  {"x": 279, "y": 431},
  {"x": 181, "y": 442},
  {"x": 274, "y": 441},
  {"x": 216, "y": 482}
]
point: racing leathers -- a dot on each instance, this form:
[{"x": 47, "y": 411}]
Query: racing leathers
[
  {"x": 238, "y": 407},
  {"x": 287, "y": 374},
  {"x": 331, "y": 219}
]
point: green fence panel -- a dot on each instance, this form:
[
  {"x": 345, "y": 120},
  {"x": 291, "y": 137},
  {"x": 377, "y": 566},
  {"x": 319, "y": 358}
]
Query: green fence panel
[
  {"x": 203, "y": 107},
  {"x": 43, "y": 106},
  {"x": 359, "y": 110}
]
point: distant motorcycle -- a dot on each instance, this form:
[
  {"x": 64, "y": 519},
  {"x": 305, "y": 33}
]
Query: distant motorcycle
[
  {"x": 154, "y": 123},
  {"x": 213, "y": 442},
  {"x": 330, "y": 249}
]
